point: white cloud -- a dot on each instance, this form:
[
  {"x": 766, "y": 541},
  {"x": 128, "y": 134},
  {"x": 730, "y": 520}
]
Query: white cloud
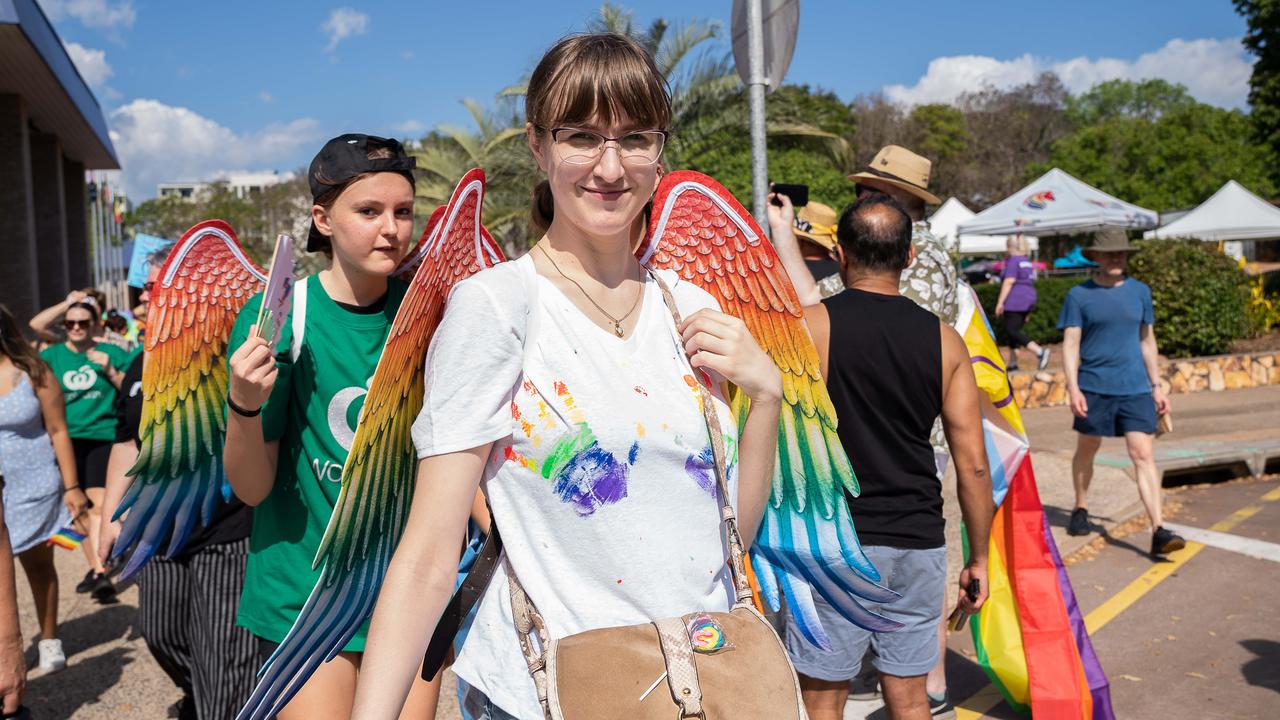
[
  {"x": 92, "y": 13},
  {"x": 266, "y": 97},
  {"x": 92, "y": 64},
  {"x": 161, "y": 143},
  {"x": 1214, "y": 71},
  {"x": 409, "y": 127},
  {"x": 343, "y": 23}
]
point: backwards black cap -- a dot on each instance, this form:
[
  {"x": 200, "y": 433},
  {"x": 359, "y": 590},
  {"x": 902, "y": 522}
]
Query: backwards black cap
[{"x": 345, "y": 157}]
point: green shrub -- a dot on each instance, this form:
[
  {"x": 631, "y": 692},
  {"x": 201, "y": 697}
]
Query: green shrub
[
  {"x": 1200, "y": 295},
  {"x": 1042, "y": 323}
]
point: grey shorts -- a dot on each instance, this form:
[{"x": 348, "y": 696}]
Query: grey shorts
[{"x": 920, "y": 577}]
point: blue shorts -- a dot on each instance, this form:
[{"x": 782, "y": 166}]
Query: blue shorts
[
  {"x": 920, "y": 576},
  {"x": 1115, "y": 415}
]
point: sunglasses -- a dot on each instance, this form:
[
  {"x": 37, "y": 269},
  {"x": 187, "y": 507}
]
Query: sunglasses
[
  {"x": 148, "y": 286},
  {"x": 72, "y": 324}
]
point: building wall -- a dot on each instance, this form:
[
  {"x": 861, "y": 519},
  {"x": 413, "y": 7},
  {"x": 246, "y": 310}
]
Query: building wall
[
  {"x": 19, "y": 284},
  {"x": 50, "y": 218},
  {"x": 75, "y": 204}
]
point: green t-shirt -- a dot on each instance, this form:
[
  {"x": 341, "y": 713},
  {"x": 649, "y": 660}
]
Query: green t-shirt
[
  {"x": 312, "y": 411},
  {"x": 89, "y": 395}
]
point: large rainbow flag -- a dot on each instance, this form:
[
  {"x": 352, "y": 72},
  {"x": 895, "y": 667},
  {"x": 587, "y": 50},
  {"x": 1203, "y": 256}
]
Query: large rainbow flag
[{"x": 1030, "y": 636}]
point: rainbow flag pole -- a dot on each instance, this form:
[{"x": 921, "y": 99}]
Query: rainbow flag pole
[
  {"x": 1030, "y": 635},
  {"x": 67, "y": 538}
]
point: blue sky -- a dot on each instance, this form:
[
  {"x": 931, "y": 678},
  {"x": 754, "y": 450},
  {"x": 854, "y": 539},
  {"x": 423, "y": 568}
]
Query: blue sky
[{"x": 193, "y": 90}]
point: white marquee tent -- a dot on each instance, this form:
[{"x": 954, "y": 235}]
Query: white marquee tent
[
  {"x": 1057, "y": 204},
  {"x": 946, "y": 218},
  {"x": 1233, "y": 213}
]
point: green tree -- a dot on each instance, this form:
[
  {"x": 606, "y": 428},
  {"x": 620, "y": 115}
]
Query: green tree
[
  {"x": 808, "y": 131},
  {"x": 497, "y": 145},
  {"x": 1148, "y": 100},
  {"x": 257, "y": 218},
  {"x": 1263, "y": 40},
  {"x": 1152, "y": 144}
]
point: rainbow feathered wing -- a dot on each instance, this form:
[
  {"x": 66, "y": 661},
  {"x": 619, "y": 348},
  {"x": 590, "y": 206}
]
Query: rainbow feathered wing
[
  {"x": 378, "y": 477},
  {"x": 178, "y": 477},
  {"x": 806, "y": 540},
  {"x": 1030, "y": 636}
]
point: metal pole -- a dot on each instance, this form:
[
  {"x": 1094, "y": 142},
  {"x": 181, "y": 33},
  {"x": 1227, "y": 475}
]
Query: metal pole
[{"x": 755, "y": 97}]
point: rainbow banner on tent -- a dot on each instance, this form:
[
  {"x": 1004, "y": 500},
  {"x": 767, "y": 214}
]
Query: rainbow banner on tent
[
  {"x": 1030, "y": 635},
  {"x": 66, "y": 538}
]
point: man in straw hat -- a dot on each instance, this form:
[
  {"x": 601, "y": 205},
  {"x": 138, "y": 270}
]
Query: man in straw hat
[
  {"x": 930, "y": 280},
  {"x": 811, "y": 240},
  {"x": 903, "y": 176},
  {"x": 1110, "y": 358}
]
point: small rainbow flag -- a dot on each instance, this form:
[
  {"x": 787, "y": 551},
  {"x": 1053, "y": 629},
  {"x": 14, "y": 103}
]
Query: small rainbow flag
[{"x": 66, "y": 538}]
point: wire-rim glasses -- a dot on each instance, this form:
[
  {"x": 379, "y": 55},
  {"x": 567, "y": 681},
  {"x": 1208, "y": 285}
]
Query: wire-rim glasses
[{"x": 580, "y": 146}]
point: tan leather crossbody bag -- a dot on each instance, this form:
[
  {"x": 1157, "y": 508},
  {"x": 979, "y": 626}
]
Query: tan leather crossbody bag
[{"x": 709, "y": 665}]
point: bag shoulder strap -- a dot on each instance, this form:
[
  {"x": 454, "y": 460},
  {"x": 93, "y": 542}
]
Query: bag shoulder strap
[{"x": 728, "y": 516}]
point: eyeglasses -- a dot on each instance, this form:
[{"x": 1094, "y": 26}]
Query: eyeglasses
[
  {"x": 578, "y": 146},
  {"x": 73, "y": 324}
]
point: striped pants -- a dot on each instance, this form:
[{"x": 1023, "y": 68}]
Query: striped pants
[{"x": 187, "y": 615}]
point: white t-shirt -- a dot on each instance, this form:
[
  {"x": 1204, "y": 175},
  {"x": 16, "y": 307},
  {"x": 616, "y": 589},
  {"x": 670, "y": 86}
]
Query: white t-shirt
[{"x": 601, "y": 477}]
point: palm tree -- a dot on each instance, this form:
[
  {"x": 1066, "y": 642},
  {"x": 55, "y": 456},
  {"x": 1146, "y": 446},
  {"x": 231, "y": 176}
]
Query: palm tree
[{"x": 449, "y": 151}]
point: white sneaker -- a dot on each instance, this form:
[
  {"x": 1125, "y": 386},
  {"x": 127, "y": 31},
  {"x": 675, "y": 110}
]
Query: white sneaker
[{"x": 52, "y": 659}]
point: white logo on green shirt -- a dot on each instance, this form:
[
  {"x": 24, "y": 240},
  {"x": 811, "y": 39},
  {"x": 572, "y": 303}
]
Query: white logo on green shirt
[
  {"x": 339, "y": 411},
  {"x": 81, "y": 379}
]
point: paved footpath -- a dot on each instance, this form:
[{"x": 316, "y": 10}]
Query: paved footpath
[{"x": 111, "y": 674}]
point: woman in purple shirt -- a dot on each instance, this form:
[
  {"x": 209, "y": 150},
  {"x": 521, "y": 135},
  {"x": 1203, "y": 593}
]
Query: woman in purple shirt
[{"x": 1018, "y": 299}]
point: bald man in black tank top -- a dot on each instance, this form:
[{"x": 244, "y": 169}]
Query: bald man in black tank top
[{"x": 891, "y": 368}]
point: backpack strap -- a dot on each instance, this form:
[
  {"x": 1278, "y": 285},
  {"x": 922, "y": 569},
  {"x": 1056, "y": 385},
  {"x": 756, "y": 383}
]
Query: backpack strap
[{"x": 298, "y": 319}]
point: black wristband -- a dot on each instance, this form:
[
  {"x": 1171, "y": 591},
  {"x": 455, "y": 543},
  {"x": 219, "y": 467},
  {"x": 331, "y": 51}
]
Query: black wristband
[{"x": 239, "y": 410}]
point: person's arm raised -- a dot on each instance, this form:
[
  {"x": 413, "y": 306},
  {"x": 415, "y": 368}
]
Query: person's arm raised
[
  {"x": 962, "y": 422},
  {"x": 784, "y": 242},
  {"x": 42, "y": 323},
  {"x": 249, "y": 460},
  {"x": 419, "y": 581}
]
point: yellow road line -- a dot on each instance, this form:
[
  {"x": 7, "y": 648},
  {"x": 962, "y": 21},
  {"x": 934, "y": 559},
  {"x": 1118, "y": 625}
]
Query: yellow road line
[{"x": 981, "y": 702}]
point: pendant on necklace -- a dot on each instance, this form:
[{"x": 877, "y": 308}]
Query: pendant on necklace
[{"x": 617, "y": 328}]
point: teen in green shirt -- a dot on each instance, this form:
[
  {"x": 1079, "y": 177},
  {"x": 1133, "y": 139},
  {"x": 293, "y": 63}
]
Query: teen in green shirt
[
  {"x": 90, "y": 373},
  {"x": 293, "y": 408}
]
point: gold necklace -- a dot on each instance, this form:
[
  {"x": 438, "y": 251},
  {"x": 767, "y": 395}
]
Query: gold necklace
[{"x": 617, "y": 321}]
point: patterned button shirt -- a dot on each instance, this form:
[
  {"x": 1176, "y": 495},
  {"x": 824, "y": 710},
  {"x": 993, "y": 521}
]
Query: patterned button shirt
[{"x": 931, "y": 282}]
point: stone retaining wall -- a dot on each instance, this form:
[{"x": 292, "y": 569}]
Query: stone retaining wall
[{"x": 1220, "y": 372}]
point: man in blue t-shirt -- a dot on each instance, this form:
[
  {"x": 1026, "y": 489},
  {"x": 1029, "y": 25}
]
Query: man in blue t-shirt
[{"x": 1110, "y": 358}]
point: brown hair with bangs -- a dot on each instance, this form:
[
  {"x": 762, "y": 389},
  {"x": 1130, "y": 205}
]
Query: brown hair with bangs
[{"x": 598, "y": 77}]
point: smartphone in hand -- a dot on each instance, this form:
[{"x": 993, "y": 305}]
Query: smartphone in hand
[
  {"x": 799, "y": 194},
  {"x": 958, "y": 616}
]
